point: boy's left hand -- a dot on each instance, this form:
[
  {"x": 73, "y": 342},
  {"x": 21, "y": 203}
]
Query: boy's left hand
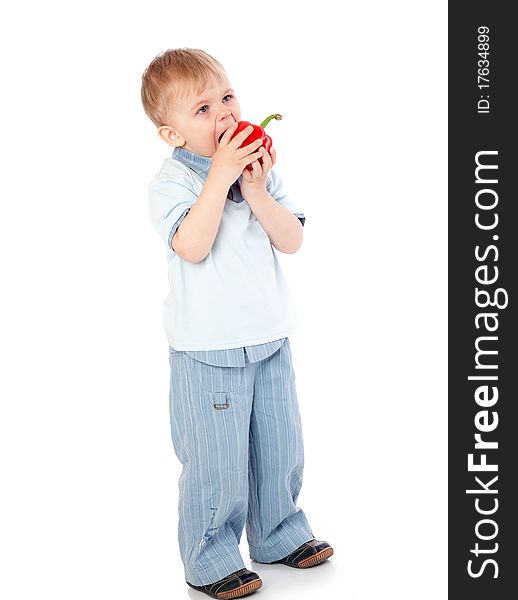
[{"x": 254, "y": 182}]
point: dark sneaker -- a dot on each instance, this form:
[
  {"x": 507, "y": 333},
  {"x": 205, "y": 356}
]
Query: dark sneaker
[
  {"x": 235, "y": 585},
  {"x": 310, "y": 554}
]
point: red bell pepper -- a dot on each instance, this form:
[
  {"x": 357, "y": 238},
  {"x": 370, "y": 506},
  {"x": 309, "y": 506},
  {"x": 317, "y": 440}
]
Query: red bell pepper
[{"x": 257, "y": 133}]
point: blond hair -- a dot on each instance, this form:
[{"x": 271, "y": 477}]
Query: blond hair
[{"x": 176, "y": 73}]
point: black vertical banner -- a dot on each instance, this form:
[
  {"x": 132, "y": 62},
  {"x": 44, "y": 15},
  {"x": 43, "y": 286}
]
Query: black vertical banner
[{"x": 483, "y": 299}]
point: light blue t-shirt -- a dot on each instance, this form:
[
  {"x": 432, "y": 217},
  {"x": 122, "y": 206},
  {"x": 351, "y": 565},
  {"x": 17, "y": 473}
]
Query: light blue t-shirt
[{"x": 236, "y": 296}]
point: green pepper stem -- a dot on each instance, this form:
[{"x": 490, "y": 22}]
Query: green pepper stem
[{"x": 268, "y": 119}]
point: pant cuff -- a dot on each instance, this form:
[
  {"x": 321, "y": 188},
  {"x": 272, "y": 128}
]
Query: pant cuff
[
  {"x": 282, "y": 549},
  {"x": 215, "y": 571}
]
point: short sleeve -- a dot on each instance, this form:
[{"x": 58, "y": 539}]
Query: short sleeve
[
  {"x": 274, "y": 186},
  {"x": 170, "y": 199}
]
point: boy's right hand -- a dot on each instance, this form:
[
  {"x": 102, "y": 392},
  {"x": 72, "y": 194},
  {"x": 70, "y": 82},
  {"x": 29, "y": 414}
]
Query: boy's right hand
[{"x": 229, "y": 160}]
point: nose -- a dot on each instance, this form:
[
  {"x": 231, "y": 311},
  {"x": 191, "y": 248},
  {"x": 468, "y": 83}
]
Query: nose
[{"x": 224, "y": 114}]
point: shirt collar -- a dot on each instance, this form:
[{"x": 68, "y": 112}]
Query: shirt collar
[{"x": 200, "y": 164}]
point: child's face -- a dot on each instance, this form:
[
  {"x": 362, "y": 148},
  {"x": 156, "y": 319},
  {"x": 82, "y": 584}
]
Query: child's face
[{"x": 197, "y": 122}]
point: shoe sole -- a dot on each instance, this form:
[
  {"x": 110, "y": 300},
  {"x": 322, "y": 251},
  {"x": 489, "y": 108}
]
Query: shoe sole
[
  {"x": 243, "y": 590},
  {"x": 316, "y": 559}
]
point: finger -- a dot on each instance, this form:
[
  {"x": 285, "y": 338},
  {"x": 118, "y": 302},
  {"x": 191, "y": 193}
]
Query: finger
[
  {"x": 267, "y": 160},
  {"x": 256, "y": 169},
  {"x": 247, "y": 176},
  {"x": 225, "y": 138},
  {"x": 242, "y": 135},
  {"x": 250, "y": 148},
  {"x": 250, "y": 158},
  {"x": 261, "y": 168},
  {"x": 273, "y": 154}
]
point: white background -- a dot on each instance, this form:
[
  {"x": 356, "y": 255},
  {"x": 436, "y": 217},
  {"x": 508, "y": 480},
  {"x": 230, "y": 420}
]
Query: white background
[{"x": 88, "y": 471}]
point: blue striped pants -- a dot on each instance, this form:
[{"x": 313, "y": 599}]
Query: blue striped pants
[{"x": 237, "y": 432}]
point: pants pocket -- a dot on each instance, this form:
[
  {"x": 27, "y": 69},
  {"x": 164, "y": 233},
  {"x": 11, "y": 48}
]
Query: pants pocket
[{"x": 217, "y": 380}]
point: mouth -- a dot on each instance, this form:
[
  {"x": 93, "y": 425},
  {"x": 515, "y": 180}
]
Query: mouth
[{"x": 232, "y": 120}]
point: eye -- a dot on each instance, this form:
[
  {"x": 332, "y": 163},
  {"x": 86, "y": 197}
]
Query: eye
[{"x": 205, "y": 106}]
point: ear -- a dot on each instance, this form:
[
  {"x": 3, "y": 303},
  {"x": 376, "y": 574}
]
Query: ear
[{"x": 170, "y": 136}]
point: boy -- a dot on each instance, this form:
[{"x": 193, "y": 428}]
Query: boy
[{"x": 235, "y": 424}]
